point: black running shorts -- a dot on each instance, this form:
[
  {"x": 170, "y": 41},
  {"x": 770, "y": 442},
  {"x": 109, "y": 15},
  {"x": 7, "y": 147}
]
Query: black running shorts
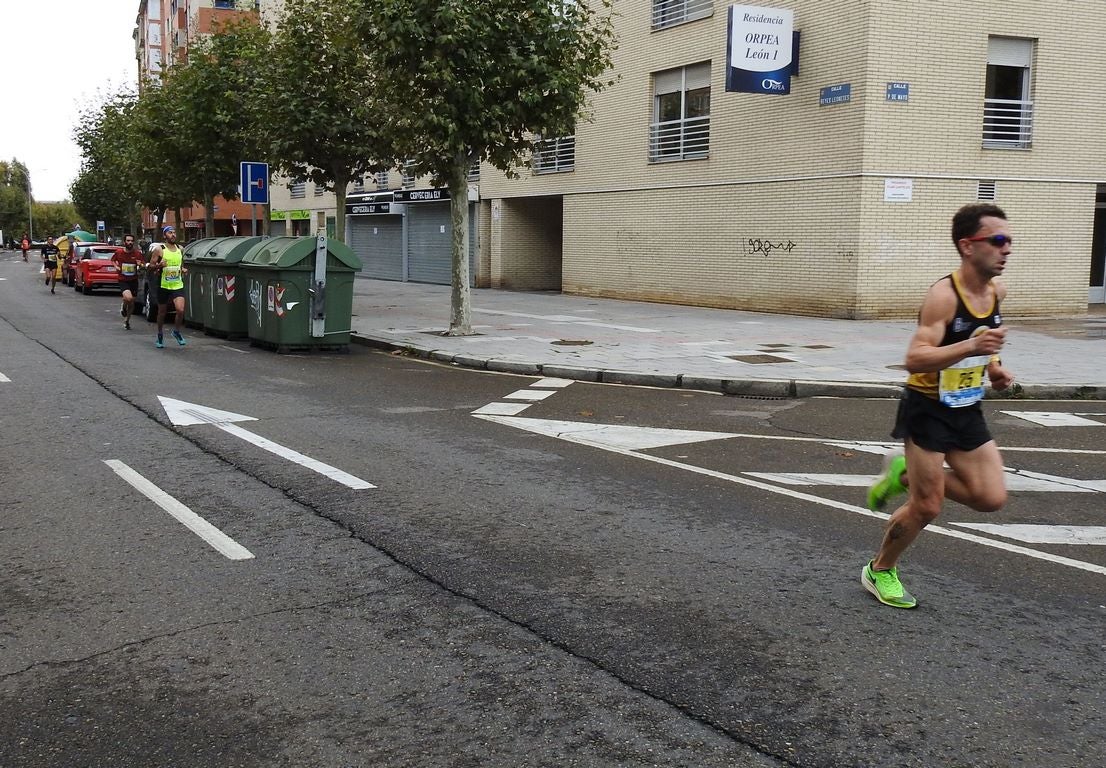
[
  {"x": 166, "y": 295},
  {"x": 936, "y": 427},
  {"x": 130, "y": 285}
]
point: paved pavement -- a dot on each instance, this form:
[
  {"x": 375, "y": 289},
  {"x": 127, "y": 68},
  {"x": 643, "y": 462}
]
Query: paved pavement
[{"x": 741, "y": 353}]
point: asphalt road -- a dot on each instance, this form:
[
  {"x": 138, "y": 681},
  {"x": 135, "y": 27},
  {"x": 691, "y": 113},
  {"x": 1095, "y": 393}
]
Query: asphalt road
[{"x": 516, "y": 590}]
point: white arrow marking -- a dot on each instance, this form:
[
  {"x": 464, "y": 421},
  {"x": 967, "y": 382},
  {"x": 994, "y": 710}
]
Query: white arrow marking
[
  {"x": 1016, "y": 480},
  {"x": 181, "y": 413},
  {"x": 1053, "y": 419},
  {"x": 222, "y": 543},
  {"x": 1045, "y": 534},
  {"x": 533, "y": 395},
  {"x": 4, "y": 379},
  {"x": 573, "y": 432}
]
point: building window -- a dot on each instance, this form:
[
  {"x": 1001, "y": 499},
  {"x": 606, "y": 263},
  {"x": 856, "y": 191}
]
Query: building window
[
  {"x": 297, "y": 189},
  {"x": 320, "y": 189},
  {"x": 359, "y": 185},
  {"x": 381, "y": 179},
  {"x": 1007, "y": 103},
  {"x": 669, "y": 13},
  {"x": 408, "y": 174},
  {"x": 224, "y": 3},
  {"x": 554, "y": 155},
  {"x": 681, "y": 114},
  {"x": 474, "y": 172}
]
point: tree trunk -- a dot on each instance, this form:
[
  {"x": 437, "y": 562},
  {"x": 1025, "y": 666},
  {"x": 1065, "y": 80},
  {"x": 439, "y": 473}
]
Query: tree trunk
[
  {"x": 341, "y": 181},
  {"x": 460, "y": 315}
]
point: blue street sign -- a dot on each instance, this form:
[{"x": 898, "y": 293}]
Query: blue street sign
[
  {"x": 255, "y": 183},
  {"x": 898, "y": 92}
]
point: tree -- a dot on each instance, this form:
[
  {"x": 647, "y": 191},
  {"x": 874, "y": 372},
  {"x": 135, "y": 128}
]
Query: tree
[
  {"x": 15, "y": 194},
  {"x": 480, "y": 80},
  {"x": 159, "y": 159},
  {"x": 54, "y": 219},
  {"x": 331, "y": 126},
  {"x": 106, "y": 187},
  {"x": 211, "y": 110}
]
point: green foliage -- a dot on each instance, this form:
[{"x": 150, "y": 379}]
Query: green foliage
[
  {"x": 14, "y": 183},
  {"x": 483, "y": 77},
  {"x": 106, "y": 187},
  {"x": 55, "y": 219},
  {"x": 325, "y": 121}
]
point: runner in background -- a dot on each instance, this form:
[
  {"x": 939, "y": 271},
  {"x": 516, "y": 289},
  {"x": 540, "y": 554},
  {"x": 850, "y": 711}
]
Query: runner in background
[
  {"x": 128, "y": 261},
  {"x": 50, "y": 262}
]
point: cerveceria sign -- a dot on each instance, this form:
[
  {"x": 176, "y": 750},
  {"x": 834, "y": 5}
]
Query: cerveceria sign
[
  {"x": 369, "y": 204},
  {"x": 421, "y": 195}
]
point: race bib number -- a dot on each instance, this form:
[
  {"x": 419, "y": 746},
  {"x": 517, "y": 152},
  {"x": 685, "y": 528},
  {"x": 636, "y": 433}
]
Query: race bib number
[
  {"x": 129, "y": 269},
  {"x": 962, "y": 384},
  {"x": 172, "y": 273}
]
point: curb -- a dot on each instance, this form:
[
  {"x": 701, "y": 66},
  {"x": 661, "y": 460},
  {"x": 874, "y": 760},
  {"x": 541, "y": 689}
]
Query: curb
[{"x": 777, "y": 389}]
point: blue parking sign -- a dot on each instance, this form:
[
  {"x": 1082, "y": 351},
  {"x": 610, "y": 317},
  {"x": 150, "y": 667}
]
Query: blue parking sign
[{"x": 255, "y": 183}]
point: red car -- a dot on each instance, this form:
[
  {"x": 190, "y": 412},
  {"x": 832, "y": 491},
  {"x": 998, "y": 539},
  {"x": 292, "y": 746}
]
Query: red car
[{"x": 92, "y": 268}]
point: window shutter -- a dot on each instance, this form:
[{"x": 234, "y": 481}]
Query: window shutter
[
  {"x": 985, "y": 190},
  {"x": 698, "y": 76},
  {"x": 1010, "y": 52}
]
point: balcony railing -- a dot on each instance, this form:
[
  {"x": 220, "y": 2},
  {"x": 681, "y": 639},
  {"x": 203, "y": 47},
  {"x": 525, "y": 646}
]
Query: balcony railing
[
  {"x": 685, "y": 139},
  {"x": 668, "y": 13},
  {"x": 1007, "y": 124},
  {"x": 555, "y": 155}
]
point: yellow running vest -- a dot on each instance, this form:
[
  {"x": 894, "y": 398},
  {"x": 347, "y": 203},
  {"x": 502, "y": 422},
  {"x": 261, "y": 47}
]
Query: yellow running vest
[{"x": 171, "y": 268}]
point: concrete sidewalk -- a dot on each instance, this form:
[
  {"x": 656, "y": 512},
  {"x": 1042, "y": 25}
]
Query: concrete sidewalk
[{"x": 743, "y": 353}]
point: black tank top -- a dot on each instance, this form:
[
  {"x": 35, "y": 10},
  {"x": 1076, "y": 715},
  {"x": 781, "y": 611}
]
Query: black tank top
[{"x": 964, "y": 324}]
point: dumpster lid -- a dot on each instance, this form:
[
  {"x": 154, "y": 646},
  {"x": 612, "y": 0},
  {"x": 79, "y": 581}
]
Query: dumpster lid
[
  {"x": 226, "y": 250},
  {"x": 190, "y": 249},
  {"x": 284, "y": 252}
]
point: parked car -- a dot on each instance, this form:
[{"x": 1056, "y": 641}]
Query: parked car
[
  {"x": 76, "y": 253},
  {"x": 94, "y": 269}
]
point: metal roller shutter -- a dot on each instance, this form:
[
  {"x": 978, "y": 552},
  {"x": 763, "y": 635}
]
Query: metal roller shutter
[
  {"x": 428, "y": 243},
  {"x": 378, "y": 240}
]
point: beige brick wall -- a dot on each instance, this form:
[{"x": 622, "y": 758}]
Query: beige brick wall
[
  {"x": 788, "y": 247},
  {"x": 530, "y": 257}
]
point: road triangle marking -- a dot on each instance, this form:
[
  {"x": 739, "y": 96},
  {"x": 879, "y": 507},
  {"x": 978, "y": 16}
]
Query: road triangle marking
[
  {"x": 1094, "y": 535},
  {"x": 184, "y": 414},
  {"x": 608, "y": 435},
  {"x": 1053, "y": 419},
  {"x": 1017, "y": 480}
]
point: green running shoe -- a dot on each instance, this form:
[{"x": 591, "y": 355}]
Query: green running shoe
[
  {"x": 889, "y": 482},
  {"x": 887, "y": 588}
]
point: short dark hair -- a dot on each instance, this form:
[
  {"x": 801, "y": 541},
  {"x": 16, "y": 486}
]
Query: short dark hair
[{"x": 966, "y": 221}]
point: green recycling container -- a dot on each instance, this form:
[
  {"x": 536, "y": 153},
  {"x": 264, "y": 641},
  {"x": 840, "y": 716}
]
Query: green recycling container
[
  {"x": 222, "y": 300},
  {"x": 193, "y": 310},
  {"x": 292, "y": 306}
]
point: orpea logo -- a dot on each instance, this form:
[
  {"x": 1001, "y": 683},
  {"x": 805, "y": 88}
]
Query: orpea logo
[{"x": 772, "y": 85}]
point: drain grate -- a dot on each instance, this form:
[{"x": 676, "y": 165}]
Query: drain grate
[{"x": 572, "y": 342}]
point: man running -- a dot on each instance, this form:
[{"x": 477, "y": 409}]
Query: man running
[
  {"x": 50, "y": 262},
  {"x": 168, "y": 259},
  {"x": 25, "y": 245},
  {"x": 128, "y": 263},
  {"x": 940, "y": 418}
]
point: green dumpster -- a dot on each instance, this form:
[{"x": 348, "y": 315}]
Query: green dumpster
[
  {"x": 193, "y": 315},
  {"x": 222, "y": 300},
  {"x": 300, "y": 293}
]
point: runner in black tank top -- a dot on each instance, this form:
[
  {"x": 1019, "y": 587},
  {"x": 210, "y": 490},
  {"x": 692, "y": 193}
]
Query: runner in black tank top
[{"x": 940, "y": 419}]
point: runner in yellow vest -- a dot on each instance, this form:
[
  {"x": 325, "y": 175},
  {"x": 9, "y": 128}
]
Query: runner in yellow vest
[{"x": 167, "y": 260}]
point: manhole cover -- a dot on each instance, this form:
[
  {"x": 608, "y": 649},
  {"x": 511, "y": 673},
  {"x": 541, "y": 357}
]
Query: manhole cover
[
  {"x": 571, "y": 342},
  {"x": 759, "y": 359}
]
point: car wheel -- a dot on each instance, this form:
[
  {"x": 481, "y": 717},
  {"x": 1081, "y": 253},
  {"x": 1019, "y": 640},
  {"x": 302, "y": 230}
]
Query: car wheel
[
  {"x": 86, "y": 288},
  {"x": 149, "y": 309}
]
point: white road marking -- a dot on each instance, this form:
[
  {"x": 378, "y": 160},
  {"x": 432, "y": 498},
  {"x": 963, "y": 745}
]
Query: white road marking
[
  {"x": 1053, "y": 419},
  {"x": 181, "y": 413},
  {"x": 574, "y": 433},
  {"x": 1045, "y": 534},
  {"x": 4, "y": 379},
  {"x": 503, "y": 409},
  {"x": 533, "y": 395},
  {"x": 612, "y": 436},
  {"x": 552, "y": 383},
  {"x": 295, "y": 456},
  {"x": 222, "y": 543},
  {"x": 1016, "y": 480}
]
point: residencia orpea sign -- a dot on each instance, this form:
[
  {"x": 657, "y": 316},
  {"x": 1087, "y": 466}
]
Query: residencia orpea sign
[{"x": 759, "y": 51}]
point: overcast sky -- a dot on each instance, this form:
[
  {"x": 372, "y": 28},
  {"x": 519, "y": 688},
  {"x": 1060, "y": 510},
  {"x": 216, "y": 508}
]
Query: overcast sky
[{"x": 55, "y": 54}]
